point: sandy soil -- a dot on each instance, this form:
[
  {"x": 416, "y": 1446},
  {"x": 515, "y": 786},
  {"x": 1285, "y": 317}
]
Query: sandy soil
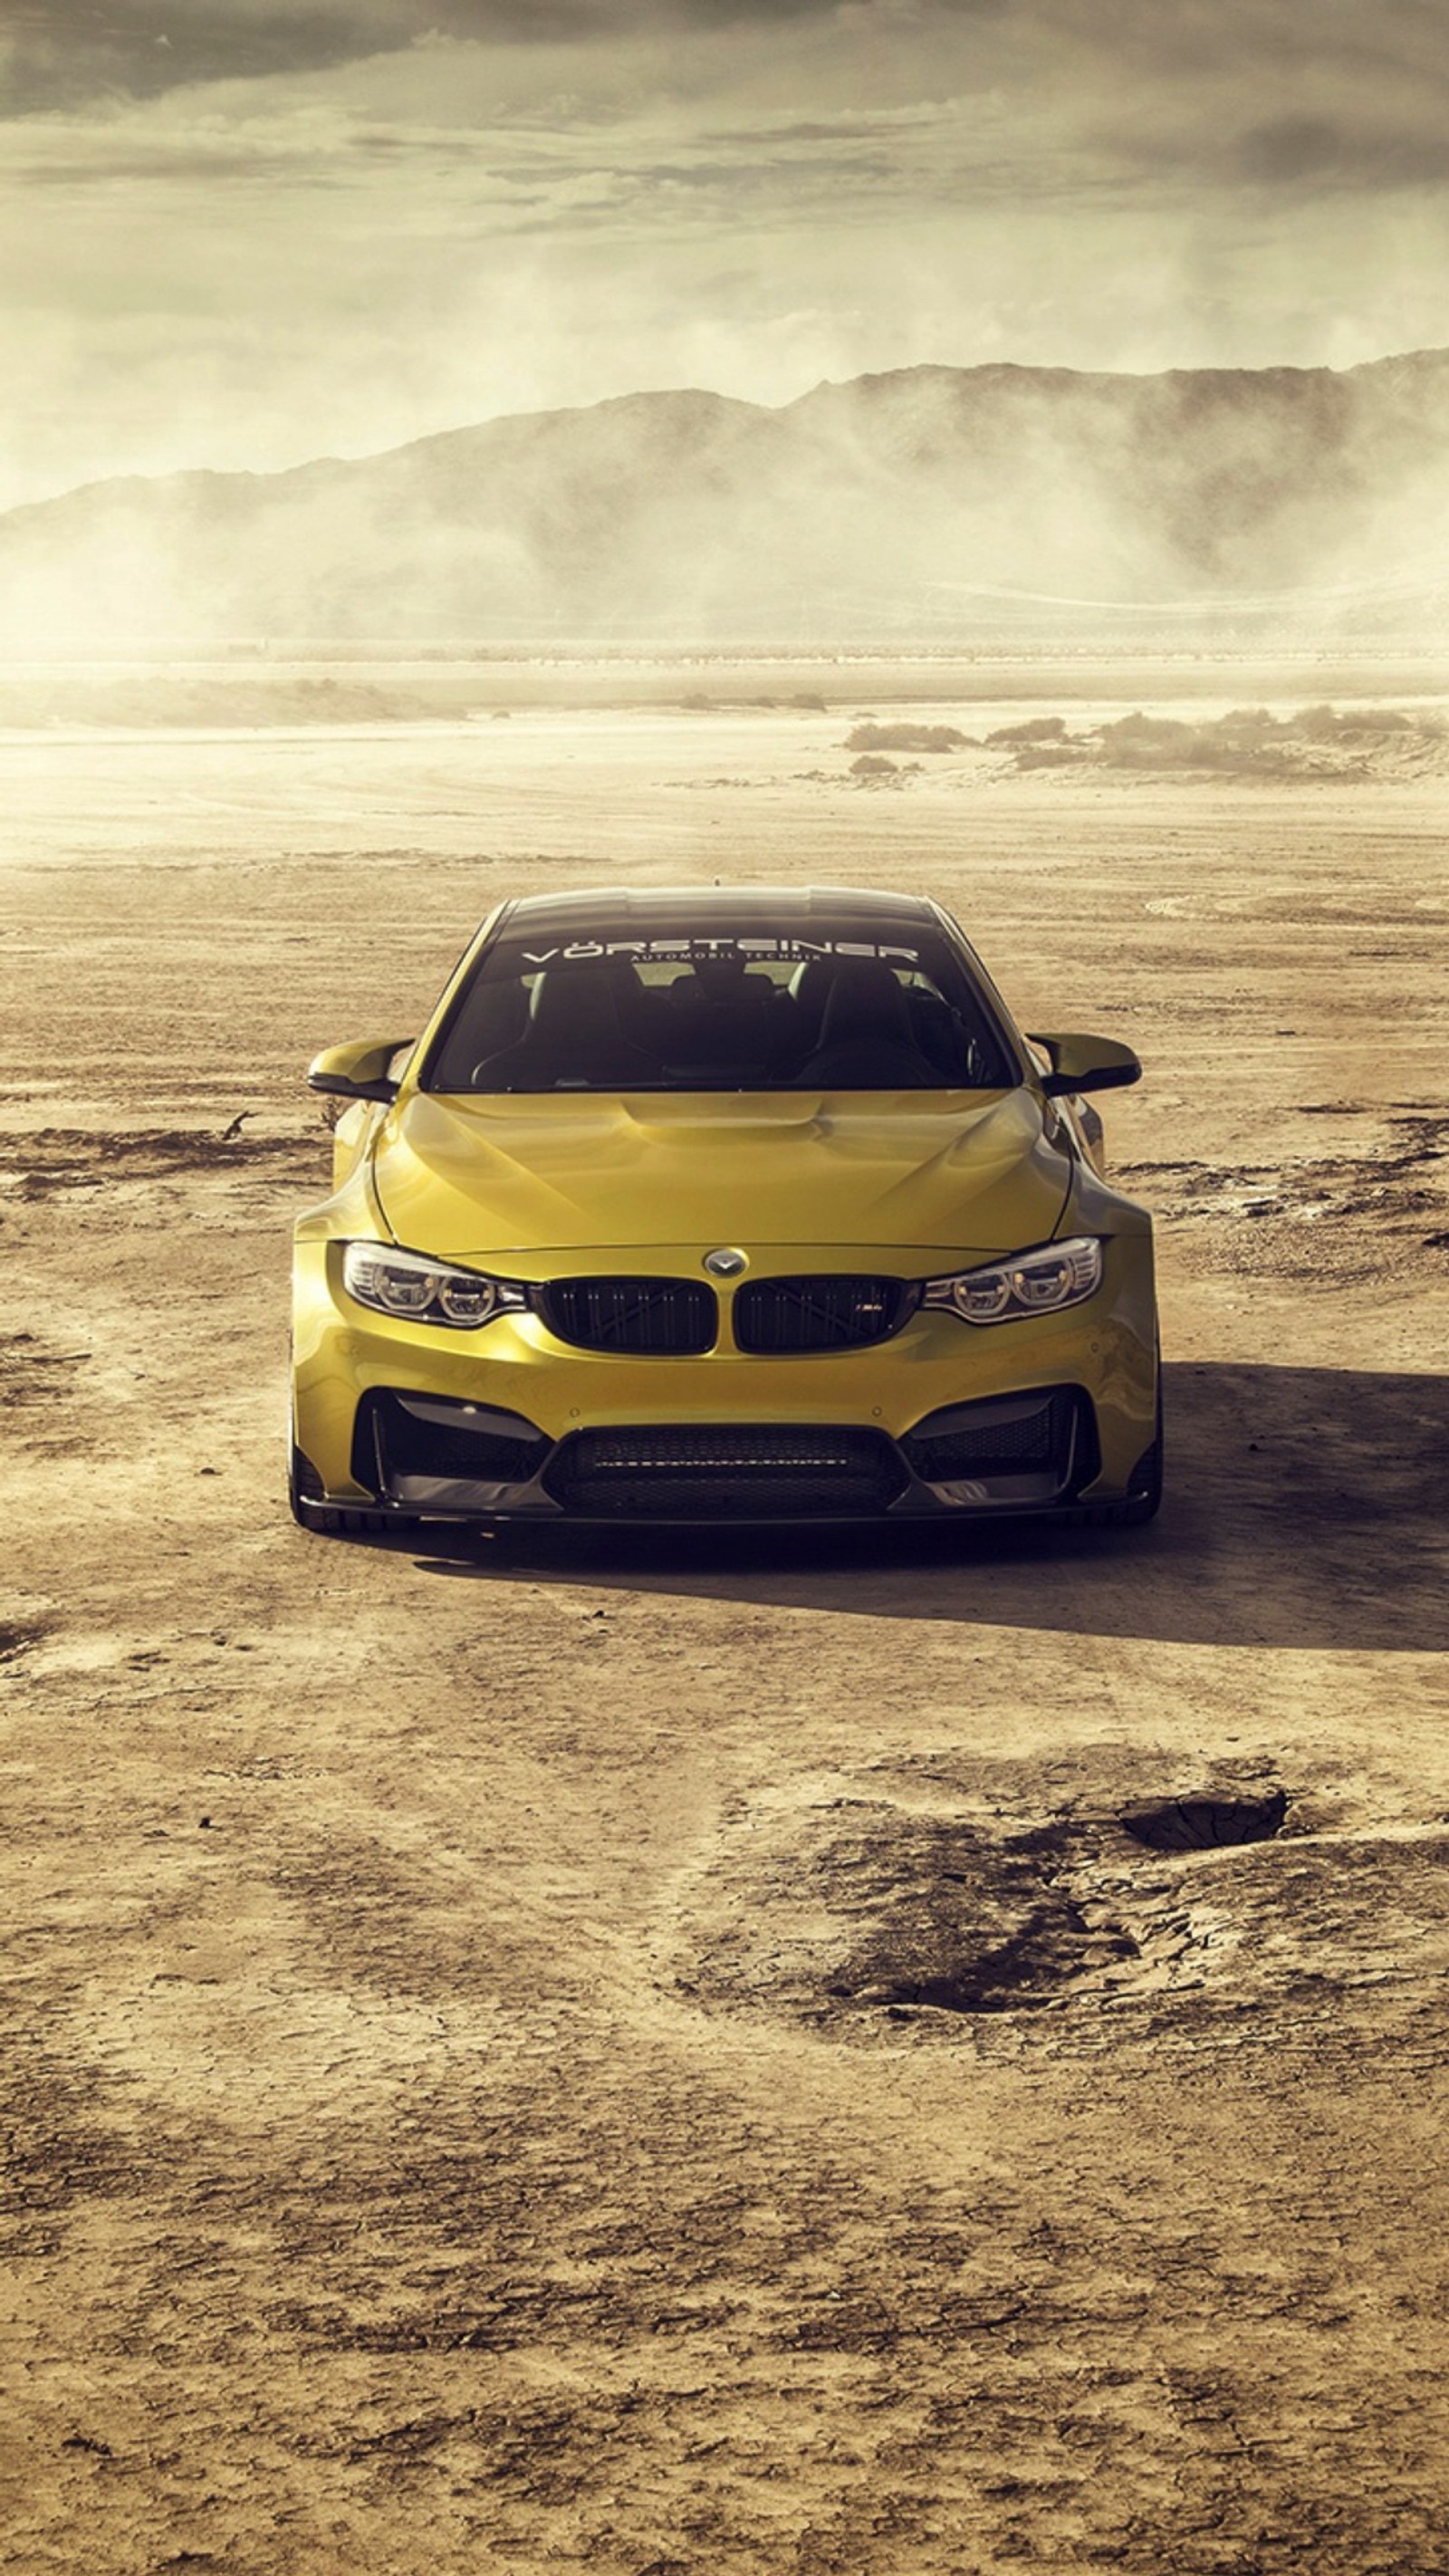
[{"x": 669, "y": 2058}]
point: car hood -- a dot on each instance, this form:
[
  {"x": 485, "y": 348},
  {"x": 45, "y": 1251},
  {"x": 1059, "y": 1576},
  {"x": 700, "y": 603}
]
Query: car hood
[{"x": 472, "y": 1178}]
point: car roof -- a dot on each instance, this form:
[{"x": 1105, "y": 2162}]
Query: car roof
[{"x": 624, "y": 908}]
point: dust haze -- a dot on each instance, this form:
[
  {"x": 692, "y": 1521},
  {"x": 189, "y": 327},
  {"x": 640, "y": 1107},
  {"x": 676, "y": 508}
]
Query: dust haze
[{"x": 1206, "y": 508}]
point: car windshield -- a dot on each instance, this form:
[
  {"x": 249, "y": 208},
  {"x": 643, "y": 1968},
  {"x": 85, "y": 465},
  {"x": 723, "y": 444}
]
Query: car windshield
[{"x": 867, "y": 1008}]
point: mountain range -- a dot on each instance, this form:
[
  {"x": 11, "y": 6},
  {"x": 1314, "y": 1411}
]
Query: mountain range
[{"x": 932, "y": 502}]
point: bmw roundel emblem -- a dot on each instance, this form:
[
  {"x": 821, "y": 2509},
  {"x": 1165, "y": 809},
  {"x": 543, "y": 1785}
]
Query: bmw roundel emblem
[{"x": 727, "y": 1263}]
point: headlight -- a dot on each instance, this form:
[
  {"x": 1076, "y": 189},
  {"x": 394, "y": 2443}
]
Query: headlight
[
  {"x": 1031, "y": 1283},
  {"x": 407, "y": 1283}
]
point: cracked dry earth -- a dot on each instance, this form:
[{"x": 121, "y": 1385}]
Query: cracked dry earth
[{"x": 720, "y": 2056}]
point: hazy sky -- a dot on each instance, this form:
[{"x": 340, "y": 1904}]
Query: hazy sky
[{"x": 244, "y": 232}]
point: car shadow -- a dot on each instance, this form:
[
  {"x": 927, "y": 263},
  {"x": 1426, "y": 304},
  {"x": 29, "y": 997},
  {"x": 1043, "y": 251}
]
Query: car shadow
[{"x": 1306, "y": 1507}]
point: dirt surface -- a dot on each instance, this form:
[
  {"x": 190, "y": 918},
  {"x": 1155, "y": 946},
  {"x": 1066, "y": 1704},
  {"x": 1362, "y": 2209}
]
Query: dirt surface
[{"x": 907, "y": 2057}]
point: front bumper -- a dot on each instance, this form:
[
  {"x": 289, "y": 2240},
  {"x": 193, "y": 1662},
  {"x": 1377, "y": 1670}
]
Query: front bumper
[{"x": 942, "y": 1419}]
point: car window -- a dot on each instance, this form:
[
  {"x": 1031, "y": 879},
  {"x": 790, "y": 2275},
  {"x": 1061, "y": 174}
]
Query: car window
[{"x": 736, "y": 1011}]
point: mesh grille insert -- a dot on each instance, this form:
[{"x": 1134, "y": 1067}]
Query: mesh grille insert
[
  {"x": 1008, "y": 1439},
  {"x": 727, "y": 1471},
  {"x": 829, "y": 1313},
  {"x": 644, "y": 1316}
]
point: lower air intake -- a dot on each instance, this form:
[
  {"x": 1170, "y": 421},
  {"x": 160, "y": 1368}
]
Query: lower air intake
[
  {"x": 1011, "y": 1436},
  {"x": 727, "y": 1472},
  {"x": 405, "y": 1436}
]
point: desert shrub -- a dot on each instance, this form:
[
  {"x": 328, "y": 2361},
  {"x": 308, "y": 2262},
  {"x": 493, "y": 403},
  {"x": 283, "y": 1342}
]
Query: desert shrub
[
  {"x": 906, "y": 737},
  {"x": 1247, "y": 742},
  {"x": 1325, "y": 724},
  {"x": 1246, "y": 739},
  {"x": 1020, "y": 737}
]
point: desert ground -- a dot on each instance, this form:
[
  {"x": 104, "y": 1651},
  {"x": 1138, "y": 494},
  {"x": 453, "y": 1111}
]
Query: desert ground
[{"x": 711, "y": 2057}]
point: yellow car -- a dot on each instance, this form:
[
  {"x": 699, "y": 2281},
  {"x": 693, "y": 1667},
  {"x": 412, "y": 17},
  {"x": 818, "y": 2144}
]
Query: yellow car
[{"x": 722, "y": 1206}]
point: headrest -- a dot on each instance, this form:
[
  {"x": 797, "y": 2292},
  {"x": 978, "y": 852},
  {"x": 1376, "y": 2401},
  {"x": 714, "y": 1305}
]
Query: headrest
[
  {"x": 574, "y": 1005},
  {"x": 865, "y": 1002}
]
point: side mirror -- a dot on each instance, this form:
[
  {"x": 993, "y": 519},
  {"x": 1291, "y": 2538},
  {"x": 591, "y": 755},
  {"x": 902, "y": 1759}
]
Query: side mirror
[
  {"x": 359, "y": 1071},
  {"x": 1082, "y": 1063}
]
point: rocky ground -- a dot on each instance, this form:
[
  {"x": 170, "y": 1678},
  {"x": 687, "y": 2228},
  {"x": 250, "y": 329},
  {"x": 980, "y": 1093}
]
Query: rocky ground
[{"x": 907, "y": 2059}]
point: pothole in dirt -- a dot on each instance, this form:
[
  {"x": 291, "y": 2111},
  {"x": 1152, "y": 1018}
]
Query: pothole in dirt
[
  {"x": 975, "y": 1922},
  {"x": 862, "y": 1906},
  {"x": 1035, "y": 1969},
  {"x": 935, "y": 1900},
  {"x": 1208, "y": 1823}
]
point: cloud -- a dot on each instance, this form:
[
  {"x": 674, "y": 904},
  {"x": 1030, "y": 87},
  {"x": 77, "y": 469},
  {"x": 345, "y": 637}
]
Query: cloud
[
  {"x": 61, "y": 53},
  {"x": 1279, "y": 93},
  {"x": 1328, "y": 152},
  {"x": 58, "y": 53}
]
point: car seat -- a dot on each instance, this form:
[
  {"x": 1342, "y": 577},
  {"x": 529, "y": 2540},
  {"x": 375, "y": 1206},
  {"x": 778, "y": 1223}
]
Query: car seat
[{"x": 573, "y": 1038}]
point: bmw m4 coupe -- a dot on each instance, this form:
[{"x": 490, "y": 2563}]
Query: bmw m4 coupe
[{"x": 722, "y": 1206}]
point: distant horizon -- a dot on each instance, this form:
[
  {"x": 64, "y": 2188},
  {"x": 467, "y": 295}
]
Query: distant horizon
[
  {"x": 924, "y": 506},
  {"x": 323, "y": 456}
]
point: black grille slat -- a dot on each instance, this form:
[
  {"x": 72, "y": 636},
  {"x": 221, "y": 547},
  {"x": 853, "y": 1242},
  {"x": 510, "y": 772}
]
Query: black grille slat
[
  {"x": 648, "y": 1318},
  {"x": 832, "y": 1312},
  {"x": 726, "y": 1471}
]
